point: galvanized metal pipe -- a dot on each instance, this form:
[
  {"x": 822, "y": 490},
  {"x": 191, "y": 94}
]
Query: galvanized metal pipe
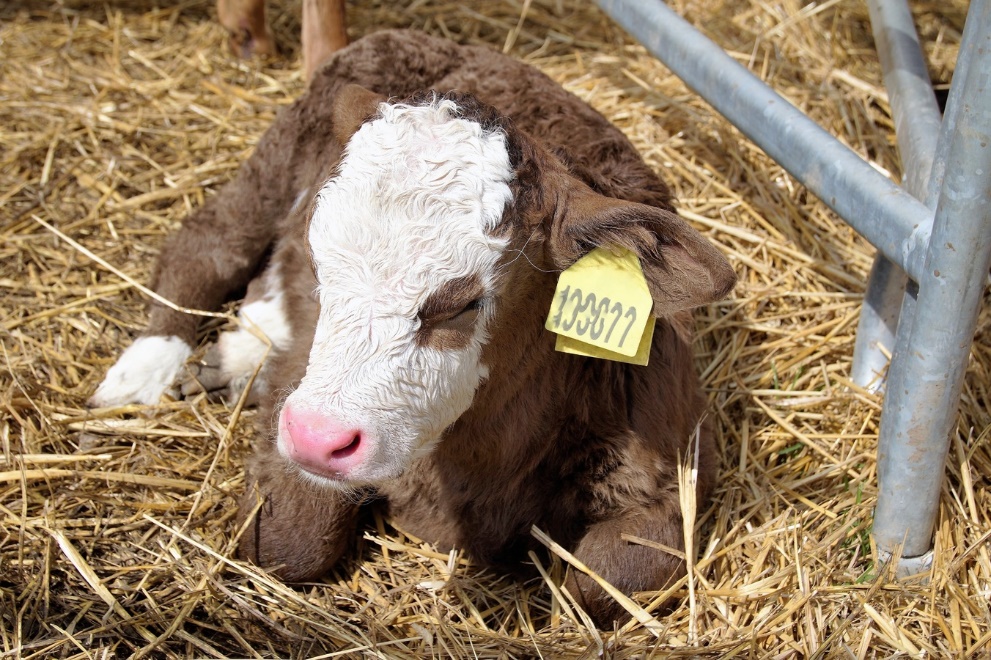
[
  {"x": 917, "y": 126},
  {"x": 891, "y": 219},
  {"x": 910, "y": 94},
  {"x": 926, "y": 374},
  {"x": 878, "y": 324}
]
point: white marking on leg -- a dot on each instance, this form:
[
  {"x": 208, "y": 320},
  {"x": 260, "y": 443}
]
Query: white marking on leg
[
  {"x": 143, "y": 372},
  {"x": 244, "y": 349}
]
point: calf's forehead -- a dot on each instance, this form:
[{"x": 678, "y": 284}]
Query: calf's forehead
[{"x": 416, "y": 200}]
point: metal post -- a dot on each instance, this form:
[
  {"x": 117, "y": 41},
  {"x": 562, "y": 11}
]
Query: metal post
[
  {"x": 917, "y": 123},
  {"x": 910, "y": 94},
  {"x": 878, "y": 323},
  {"x": 926, "y": 374},
  {"x": 887, "y": 216}
]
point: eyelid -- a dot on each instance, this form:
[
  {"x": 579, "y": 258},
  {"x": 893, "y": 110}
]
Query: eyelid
[
  {"x": 450, "y": 329},
  {"x": 475, "y": 305},
  {"x": 434, "y": 317},
  {"x": 452, "y": 299}
]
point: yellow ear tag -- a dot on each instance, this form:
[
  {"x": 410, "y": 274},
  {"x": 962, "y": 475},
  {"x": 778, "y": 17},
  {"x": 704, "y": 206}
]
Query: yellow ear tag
[
  {"x": 575, "y": 347},
  {"x": 602, "y": 308}
]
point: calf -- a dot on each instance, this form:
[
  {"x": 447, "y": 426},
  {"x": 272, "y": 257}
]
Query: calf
[{"x": 406, "y": 246}]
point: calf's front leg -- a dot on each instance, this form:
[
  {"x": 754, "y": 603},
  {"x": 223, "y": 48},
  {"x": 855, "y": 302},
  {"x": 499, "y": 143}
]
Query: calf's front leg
[
  {"x": 212, "y": 256},
  {"x": 215, "y": 253},
  {"x": 627, "y": 566}
]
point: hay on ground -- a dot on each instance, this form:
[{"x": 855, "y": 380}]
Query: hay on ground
[{"x": 118, "y": 118}]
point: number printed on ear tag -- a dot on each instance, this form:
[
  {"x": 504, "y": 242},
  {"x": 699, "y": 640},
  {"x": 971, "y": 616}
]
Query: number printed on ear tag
[
  {"x": 602, "y": 300},
  {"x": 569, "y": 345}
]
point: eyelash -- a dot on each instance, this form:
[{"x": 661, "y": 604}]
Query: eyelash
[{"x": 475, "y": 304}]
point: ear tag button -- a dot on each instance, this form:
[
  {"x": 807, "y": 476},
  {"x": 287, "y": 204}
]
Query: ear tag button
[{"x": 602, "y": 308}]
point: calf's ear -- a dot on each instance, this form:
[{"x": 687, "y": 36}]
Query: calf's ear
[
  {"x": 352, "y": 106},
  {"x": 682, "y": 267}
]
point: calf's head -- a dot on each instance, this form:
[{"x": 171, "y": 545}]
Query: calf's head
[{"x": 410, "y": 242}]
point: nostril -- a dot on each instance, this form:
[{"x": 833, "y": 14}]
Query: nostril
[
  {"x": 348, "y": 449},
  {"x": 319, "y": 442}
]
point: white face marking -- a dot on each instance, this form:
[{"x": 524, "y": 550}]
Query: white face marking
[
  {"x": 143, "y": 372},
  {"x": 418, "y": 194}
]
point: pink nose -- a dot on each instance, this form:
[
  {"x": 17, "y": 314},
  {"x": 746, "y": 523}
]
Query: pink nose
[{"x": 318, "y": 442}]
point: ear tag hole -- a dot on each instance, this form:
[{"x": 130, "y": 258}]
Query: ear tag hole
[{"x": 602, "y": 307}]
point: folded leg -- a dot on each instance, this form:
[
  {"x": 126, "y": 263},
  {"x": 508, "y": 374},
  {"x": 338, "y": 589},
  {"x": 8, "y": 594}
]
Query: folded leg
[
  {"x": 264, "y": 327},
  {"x": 217, "y": 251},
  {"x": 628, "y": 566}
]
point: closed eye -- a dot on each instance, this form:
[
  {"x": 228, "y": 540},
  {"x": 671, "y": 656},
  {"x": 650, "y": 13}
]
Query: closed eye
[
  {"x": 449, "y": 314},
  {"x": 452, "y": 299},
  {"x": 454, "y": 316},
  {"x": 474, "y": 306}
]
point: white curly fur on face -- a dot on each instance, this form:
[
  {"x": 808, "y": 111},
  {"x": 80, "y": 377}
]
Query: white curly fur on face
[{"x": 417, "y": 196}]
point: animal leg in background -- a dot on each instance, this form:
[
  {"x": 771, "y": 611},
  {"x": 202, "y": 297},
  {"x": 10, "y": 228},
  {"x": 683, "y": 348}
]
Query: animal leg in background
[
  {"x": 324, "y": 29},
  {"x": 324, "y": 32},
  {"x": 245, "y": 20}
]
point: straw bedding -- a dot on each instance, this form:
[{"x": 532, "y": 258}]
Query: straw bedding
[{"x": 119, "y": 117}]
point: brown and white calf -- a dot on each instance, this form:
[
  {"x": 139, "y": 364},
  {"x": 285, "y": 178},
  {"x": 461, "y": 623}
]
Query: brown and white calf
[{"x": 405, "y": 247}]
